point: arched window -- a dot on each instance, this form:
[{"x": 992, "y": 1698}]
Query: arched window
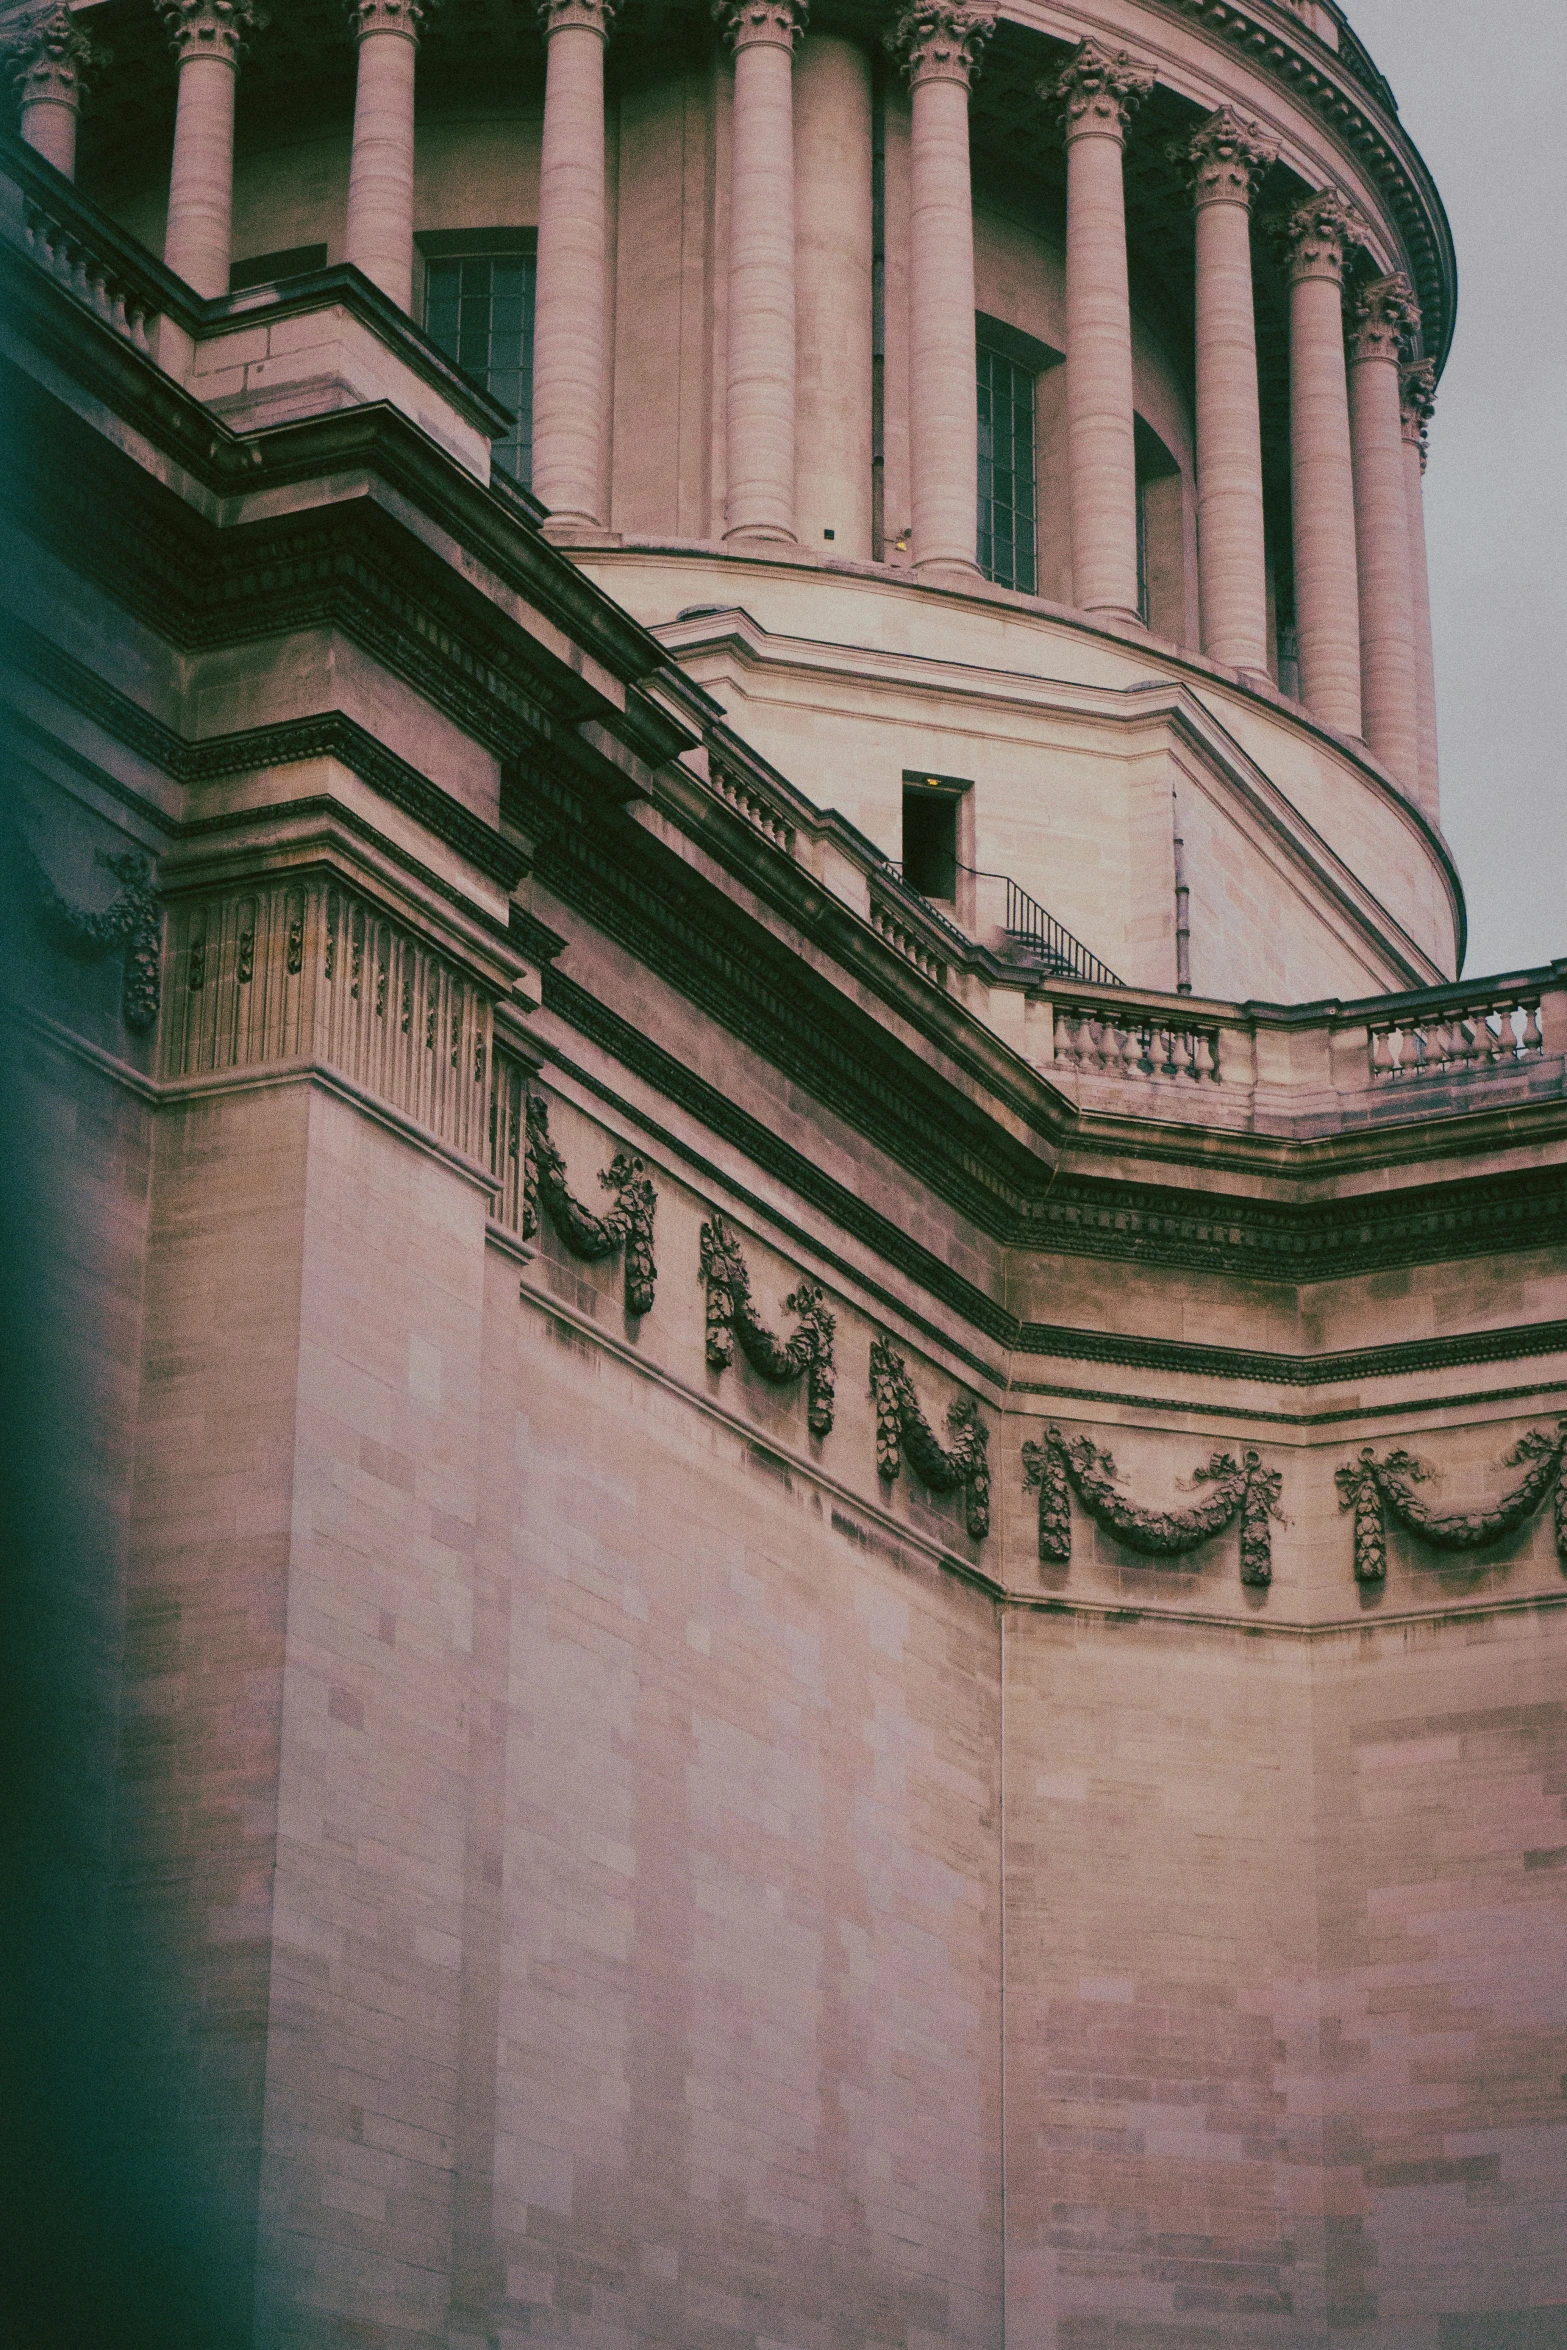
[{"x": 478, "y": 309}]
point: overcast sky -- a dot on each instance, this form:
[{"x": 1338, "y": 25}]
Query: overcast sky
[{"x": 1483, "y": 93}]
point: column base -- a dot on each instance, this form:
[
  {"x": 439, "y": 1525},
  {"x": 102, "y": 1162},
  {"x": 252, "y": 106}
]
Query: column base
[
  {"x": 565, "y": 529},
  {"x": 757, "y": 538},
  {"x": 953, "y": 571},
  {"x": 1128, "y": 617}
]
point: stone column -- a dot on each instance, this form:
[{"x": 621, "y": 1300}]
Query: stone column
[
  {"x": 379, "y": 237},
  {"x": 1385, "y": 317},
  {"x": 1227, "y": 157},
  {"x": 760, "y": 504},
  {"x": 49, "y": 60},
  {"x": 939, "y": 44},
  {"x": 833, "y": 132},
  {"x": 1418, "y": 384},
  {"x": 571, "y": 298},
  {"x": 1097, "y": 93},
  {"x": 1327, "y": 600},
  {"x": 208, "y": 37}
]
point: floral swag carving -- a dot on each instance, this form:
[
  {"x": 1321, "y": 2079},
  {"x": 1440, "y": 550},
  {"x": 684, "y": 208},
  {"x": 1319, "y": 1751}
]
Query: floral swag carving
[
  {"x": 625, "y": 1230},
  {"x": 1240, "y": 1488},
  {"x": 807, "y": 1353},
  {"x": 901, "y": 1427},
  {"x": 1375, "y": 1489},
  {"x": 132, "y": 926}
]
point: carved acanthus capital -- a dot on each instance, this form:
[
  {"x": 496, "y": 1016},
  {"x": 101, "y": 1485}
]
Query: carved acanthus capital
[
  {"x": 589, "y": 16},
  {"x": 1317, "y": 234},
  {"x": 211, "y": 28},
  {"x": 937, "y": 42},
  {"x": 1096, "y": 91},
  {"x": 50, "y": 59},
  {"x": 1417, "y": 402},
  {"x": 1386, "y": 316},
  {"x": 388, "y": 16},
  {"x": 760, "y": 24},
  {"x": 1225, "y": 158}
]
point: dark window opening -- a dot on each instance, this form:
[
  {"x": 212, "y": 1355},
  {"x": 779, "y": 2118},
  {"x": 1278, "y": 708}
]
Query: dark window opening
[
  {"x": 478, "y": 309},
  {"x": 268, "y": 268},
  {"x": 930, "y": 836},
  {"x": 1007, "y": 528},
  {"x": 1142, "y": 553}
]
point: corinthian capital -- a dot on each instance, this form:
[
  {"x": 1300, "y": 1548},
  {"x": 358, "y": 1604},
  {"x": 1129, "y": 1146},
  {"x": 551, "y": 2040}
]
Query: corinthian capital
[
  {"x": 50, "y": 58},
  {"x": 211, "y": 28},
  {"x": 388, "y": 16},
  {"x": 941, "y": 40},
  {"x": 589, "y": 16},
  {"x": 1225, "y": 158},
  {"x": 1096, "y": 91},
  {"x": 760, "y": 24},
  {"x": 1386, "y": 315},
  {"x": 1317, "y": 233},
  {"x": 1417, "y": 402}
]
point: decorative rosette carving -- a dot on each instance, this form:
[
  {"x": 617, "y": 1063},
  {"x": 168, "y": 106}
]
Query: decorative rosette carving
[
  {"x": 1417, "y": 402},
  {"x": 388, "y": 16},
  {"x": 50, "y": 57},
  {"x": 901, "y": 1427},
  {"x": 1377, "y": 1489},
  {"x": 1096, "y": 91},
  {"x": 211, "y": 28},
  {"x": 1225, "y": 158},
  {"x": 591, "y": 16},
  {"x": 626, "y": 1230},
  {"x": 935, "y": 41},
  {"x": 1236, "y": 1488},
  {"x": 750, "y": 24},
  {"x": 806, "y": 1354},
  {"x": 1386, "y": 316},
  {"x": 1316, "y": 235},
  {"x": 131, "y": 926}
]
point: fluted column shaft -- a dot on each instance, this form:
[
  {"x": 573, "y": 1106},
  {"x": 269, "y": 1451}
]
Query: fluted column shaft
[
  {"x": 379, "y": 235},
  {"x": 1419, "y": 389},
  {"x": 1327, "y": 602},
  {"x": 571, "y": 296},
  {"x": 939, "y": 47},
  {"x": 50, "y": 60},
  {"x": 208, "y": 37},
  {"x": 1227, "y": 158},
  {"x": 1097, "y": 92},
  {"x": 1390, "y": 719},
  {"x": 759, "y": 506}
]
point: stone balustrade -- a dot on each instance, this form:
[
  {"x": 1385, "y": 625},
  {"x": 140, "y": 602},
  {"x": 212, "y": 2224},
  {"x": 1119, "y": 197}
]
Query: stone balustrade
[
  {"x": 1133, "y": 1045},
  {"x": 1501, "y": 1032}
]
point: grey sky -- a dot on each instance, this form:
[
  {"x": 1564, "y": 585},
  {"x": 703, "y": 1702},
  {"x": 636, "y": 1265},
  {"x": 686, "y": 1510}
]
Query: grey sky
[{"x": 1481, "y": 92}]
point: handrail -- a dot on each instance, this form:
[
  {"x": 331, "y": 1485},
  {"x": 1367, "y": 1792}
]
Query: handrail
[{"x": 1028, "y": 923}]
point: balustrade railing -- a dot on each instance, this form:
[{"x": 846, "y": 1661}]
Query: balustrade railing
[
  {"x": 910, "y": 924},
  {"x": 1099, "y": 1042},
  {"x": 1487, "y": 1034},
  {"x": 757, "y": 806}
]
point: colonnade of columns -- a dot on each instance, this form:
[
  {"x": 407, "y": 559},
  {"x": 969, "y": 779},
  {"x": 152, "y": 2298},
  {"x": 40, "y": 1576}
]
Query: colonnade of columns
[{"x": 1358, "y": 414}]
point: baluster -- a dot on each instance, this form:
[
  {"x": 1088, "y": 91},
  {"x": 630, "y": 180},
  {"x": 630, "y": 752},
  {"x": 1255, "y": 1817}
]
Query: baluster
[
  {"x": 1080, "y": 1040},
  {"x": 1181, "y": 1041},
  {"x": 1533, "y": 1040},
  {"x": 1382, "y": 1062},
  {"x": 1470, "y": 1049},
  {"x": 1503, "y": 1043},
  {"x": 1205, "y": 1068},
  {"x": 1134, "y": 1049}
]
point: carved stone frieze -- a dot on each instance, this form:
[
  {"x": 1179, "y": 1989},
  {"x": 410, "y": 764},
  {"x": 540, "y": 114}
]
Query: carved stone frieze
[
  {"x": 1386, "y": 316},
  {"x": 131, "y": 926},
  {"x": 902, "y": 1428},
  {"x": 1237, "y": 1487},
  {"x": 808, "y": 1351},
  {"x": 941, "y": 40},
  {"x": 1225, "y": 158},
  {"x": 1096, "y": 91},
  {"x": 751, "y": 24},
  {"x": 624, "y": 1230},
  {"x": 51, "y": 57},
  {"x": 1317, "y": 233},
  {"x": 211, "y": 28},
  {"x": 1377, "y": 1489}
]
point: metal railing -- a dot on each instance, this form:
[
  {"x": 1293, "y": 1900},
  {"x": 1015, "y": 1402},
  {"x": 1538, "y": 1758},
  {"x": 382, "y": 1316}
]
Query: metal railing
[{"x": 1038, "y": 933}]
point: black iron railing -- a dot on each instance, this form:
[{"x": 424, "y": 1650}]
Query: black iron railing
[{"x": 1047, "y": 942}]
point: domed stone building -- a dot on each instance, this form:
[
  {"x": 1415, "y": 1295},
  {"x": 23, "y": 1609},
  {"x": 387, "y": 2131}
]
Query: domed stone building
[{"x": 817, "y": 1597}]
